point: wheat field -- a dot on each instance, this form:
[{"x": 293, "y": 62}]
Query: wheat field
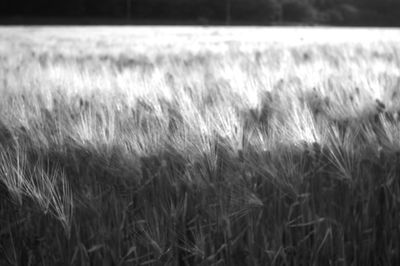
[{"x": 199, "y": 146}]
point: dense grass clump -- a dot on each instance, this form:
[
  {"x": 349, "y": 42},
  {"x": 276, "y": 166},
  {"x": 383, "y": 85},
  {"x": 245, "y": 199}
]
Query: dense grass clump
[{"x": 225, "y": 155}]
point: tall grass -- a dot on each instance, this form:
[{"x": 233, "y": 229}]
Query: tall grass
[{"x": 221, "y": 154}]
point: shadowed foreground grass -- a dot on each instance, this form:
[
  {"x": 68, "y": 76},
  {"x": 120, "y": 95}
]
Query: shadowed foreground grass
[{"x": 272, "y": 156}]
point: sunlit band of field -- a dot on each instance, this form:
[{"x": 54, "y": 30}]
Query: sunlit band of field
[{"x": 199, "y": 146}]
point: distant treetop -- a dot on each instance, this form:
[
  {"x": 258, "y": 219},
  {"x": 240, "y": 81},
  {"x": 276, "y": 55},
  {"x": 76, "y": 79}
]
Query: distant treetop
[{"x": 232, "y": 12}]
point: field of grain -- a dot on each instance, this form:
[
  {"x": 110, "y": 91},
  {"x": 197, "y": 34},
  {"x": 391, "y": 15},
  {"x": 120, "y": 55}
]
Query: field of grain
[{"x": 199, "y": 146}]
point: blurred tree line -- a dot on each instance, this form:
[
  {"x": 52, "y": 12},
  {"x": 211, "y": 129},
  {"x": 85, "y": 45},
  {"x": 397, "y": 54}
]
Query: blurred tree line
[{"x": 329, "y": 12}]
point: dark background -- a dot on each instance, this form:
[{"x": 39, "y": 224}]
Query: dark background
[{"x": 202, "y": 12}]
